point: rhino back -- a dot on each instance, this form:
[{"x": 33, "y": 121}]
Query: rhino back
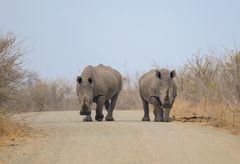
[
  {"x": 108, "y": 81},
  {"x": 148, "y": 85}
]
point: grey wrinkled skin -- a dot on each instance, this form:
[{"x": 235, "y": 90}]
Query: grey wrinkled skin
[
  {"x": 158, "y": 88},
  {"x": 101, "y": 85}
]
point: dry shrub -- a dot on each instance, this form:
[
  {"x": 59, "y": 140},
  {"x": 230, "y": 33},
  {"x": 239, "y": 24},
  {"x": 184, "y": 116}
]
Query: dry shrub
[
  {"x": 11, "y": 78},
  {"x": 209, "y": 86},
  {"x": 47, "y": 95},
  {"x": 11, "y": 71}
]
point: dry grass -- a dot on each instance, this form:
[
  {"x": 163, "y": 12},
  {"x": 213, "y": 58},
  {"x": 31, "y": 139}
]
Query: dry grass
[
  {"x": 217, "y": 115},
  {"x": 11, "y": 131},
  {"x": 14, "y": 130}
]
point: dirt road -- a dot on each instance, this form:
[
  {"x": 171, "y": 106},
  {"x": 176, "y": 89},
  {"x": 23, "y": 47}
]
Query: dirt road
[{"x": 126, "y": 140}]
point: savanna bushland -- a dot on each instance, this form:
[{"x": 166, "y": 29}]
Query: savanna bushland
[{"x": 208, "y": 88}]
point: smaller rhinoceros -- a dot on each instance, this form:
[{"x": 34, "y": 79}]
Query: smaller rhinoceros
[
  {"x": 158, "y": 88},
  {"x": 101, "y": 85}
]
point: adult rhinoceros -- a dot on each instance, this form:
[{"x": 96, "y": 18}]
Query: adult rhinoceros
[
  {"x": 157, "y": 87},
  {"x": 101, "y": 85}
]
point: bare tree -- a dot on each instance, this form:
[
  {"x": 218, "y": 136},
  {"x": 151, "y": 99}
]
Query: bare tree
[{"x": 11, "y": 70}]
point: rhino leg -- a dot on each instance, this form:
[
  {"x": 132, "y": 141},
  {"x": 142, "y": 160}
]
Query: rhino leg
[
  {"x": 107, "y": 104},
  {"x": 166, "y": 112},
  {"x": 158, "y": 110},
  {"x": 159, "y": 114},
  {"x": 146, "y": 111},
  {"x": 87, "y": 118},
  {"x": 109, "y": 116},
  {"x": 100, "y": 102},
  {"x": 154, "y": 112}
]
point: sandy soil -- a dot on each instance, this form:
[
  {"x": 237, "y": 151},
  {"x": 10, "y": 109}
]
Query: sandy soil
[{"x": 124, "y": 141}]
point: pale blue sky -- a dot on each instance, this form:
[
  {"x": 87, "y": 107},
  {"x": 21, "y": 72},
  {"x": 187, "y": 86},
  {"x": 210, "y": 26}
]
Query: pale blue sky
[{"x": 64, "y": 36}]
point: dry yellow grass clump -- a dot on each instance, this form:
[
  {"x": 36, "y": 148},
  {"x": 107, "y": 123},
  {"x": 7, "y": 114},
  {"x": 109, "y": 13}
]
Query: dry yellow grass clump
[
  {"x": 11, "y": 130},
  {"x": 218, "y": 115}
]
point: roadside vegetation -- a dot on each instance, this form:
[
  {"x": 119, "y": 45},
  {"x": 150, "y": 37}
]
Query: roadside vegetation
[{"x": 209, "y": 86}]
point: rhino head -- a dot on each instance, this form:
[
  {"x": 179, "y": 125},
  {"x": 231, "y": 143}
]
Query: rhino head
[
  {"x": 166, "y": 86},
  {"x": 85, "y": 94}
]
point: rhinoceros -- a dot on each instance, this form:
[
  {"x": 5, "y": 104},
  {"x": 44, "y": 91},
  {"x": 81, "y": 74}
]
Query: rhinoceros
[
  {"x": 158, "y": 88},
  {"x": 101, "y": 85}
]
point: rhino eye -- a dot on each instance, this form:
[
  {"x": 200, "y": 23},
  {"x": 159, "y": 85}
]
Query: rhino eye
[
  {"x": 90, "y": 80},
  {"x": 79, "y": 79},
  {"x": 173, "y": 74},
  {"x": 158, "y": 74}
]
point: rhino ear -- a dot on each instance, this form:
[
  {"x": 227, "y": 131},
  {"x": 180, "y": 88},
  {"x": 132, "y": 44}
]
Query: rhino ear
[
  {"x": 79, "y": 79},
  {"x": 173, "y": 74},
  {"x": 158, "y": 74},
  {"x": 90, "y": 80}
]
